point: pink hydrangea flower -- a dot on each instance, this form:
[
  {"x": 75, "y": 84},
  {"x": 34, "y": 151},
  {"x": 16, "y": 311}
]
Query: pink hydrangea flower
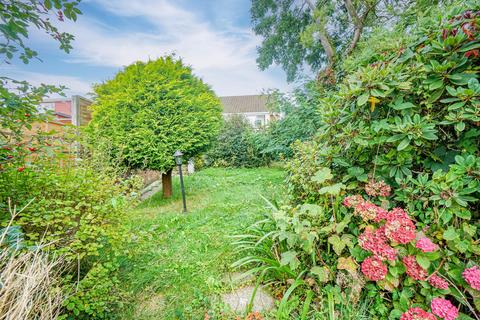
[
  {"x": 400, "y": 230},
  {"x": 444, "y": 309},
  {"x": 352, "y": 201},
  {"x": 417, "y": 314},
  {"x": 376, "y": 243},
  {"x": 472, "y": 276},
  {"x": 426, "y": 245},
  {"x": 367, "y": 210},
  {"x": 382, "y": 214},
  {"x": 414, "y": 270},
  {"x": 392, "y": 215},
  {"x": 377, "y": 188},
  {"x": 374, "y": 269},
  {"x": 438, "y": 282}
]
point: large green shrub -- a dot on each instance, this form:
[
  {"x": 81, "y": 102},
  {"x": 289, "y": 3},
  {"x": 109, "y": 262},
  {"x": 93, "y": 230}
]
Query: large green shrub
[
  {"x": 406, "y": 115},
  {"x": 237, "y": 145},
  {"x": 150, "y": 110}
]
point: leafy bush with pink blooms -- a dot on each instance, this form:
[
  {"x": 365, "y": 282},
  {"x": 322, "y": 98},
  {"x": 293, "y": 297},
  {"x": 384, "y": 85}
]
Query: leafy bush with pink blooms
[{"x": 384, "y": 202}]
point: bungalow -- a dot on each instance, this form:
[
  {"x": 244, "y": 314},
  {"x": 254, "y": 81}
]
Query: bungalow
[{"x": 252, "y": 107}]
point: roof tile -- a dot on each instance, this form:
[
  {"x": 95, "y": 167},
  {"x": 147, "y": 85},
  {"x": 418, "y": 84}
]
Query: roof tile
[{"x": 244, "y": 104}]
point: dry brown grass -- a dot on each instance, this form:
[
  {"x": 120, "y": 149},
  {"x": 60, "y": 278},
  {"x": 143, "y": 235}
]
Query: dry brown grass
[{"x": 29, "y": 283}]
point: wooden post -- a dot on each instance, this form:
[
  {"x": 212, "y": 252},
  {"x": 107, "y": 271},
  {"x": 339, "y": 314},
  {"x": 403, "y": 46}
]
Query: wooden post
[{"x": 167, "y": 183}]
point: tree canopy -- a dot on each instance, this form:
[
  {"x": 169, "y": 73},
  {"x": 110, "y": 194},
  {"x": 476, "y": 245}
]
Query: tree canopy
[
  {"x": 150, "y": 110},
  {"x": 317, "y": 33}
]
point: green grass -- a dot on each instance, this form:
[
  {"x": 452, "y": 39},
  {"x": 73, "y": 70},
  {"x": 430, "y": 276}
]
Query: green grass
[{"x": 179, "y": 260}]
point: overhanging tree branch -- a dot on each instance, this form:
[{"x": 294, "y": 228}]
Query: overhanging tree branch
[
  {"x": 358, "y": 22},
  {"x": 323, "y": 36}
]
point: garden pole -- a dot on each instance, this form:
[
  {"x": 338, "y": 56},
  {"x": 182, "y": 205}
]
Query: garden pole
[{"x": 183, "y": 188}]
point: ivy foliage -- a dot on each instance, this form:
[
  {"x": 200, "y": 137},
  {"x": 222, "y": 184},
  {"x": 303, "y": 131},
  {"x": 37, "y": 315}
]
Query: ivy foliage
[{"x": 150, "y": 110}]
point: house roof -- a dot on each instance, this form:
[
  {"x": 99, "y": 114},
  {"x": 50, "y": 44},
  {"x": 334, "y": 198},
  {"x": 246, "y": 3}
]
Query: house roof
[{"x": 244, "y": 104}]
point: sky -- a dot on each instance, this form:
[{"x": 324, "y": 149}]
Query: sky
[{"x": 214, "y": 37}]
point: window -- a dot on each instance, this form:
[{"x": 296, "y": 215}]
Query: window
[{"x": 259, "y": 121}]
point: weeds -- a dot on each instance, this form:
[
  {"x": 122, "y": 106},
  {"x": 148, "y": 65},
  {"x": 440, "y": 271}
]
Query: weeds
[{"x": 29, "y": 279}]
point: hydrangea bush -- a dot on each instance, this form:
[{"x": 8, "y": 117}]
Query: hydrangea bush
[{"x": 408, "y": 263}]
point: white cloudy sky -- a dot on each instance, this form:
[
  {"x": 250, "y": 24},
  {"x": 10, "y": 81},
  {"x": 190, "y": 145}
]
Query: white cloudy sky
[{"x": 214, "y": 37}]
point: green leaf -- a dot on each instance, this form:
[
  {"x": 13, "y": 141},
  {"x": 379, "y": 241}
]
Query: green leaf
[
  {"x": 322, "y": 175},
  {"x": 402, "y": 145},
  {"x": 456, "y": 106},
  {"x": 403, "y": 106},
  {"x": 358, "y": 173},
  {"x": 461, "y": 79},
  {"x": 432, "y": 256},
  {"x": 469, "y": 229},
  {"x": 290, "y": 258},
  {"x": 436, "y": 85},
  {"x": 450, "y": 234},
  {"x": 347, "y": 264},
  {"x": 470, "y": 46},
  {"x": 463, "y": 214},
  {"x": 377, "y": 93},
  {"x": 435, "y": 95},
  {"x": 334, "y": 189},
  {"x": 396, "y": 137},
  {"x": 451, "y": 91},
  {"x": 460, "y": 126},
  {"x": 337, "y": 243},
  {"x": 321, "y": 272},
  {"x": 423, "y": 261},
  {"x": 362, "y": 99},
  {"x": 462, "y": 246},
  {"x": 311, "y": 209}
]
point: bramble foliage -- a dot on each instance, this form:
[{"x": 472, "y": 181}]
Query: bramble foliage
[
  {"x": 405, "y": 118},
  {"x": 150, "y": 110},
  {"x": 77, "y": 209},
  {"x": 237, "y": 145}
]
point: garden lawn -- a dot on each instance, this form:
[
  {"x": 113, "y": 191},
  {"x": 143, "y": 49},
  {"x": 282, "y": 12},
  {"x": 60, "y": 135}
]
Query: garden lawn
[{"x": 179, "y": 261}]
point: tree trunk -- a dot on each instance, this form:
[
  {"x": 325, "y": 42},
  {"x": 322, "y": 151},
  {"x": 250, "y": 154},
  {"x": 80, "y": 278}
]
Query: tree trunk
[
  {"x": 358, "y": 22},
  {"x": 328, "y": 73},
  {"x": 167, "y": 184},
  {"x": 356, "y": 37},
  {"x": 324, "y": 40}
]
